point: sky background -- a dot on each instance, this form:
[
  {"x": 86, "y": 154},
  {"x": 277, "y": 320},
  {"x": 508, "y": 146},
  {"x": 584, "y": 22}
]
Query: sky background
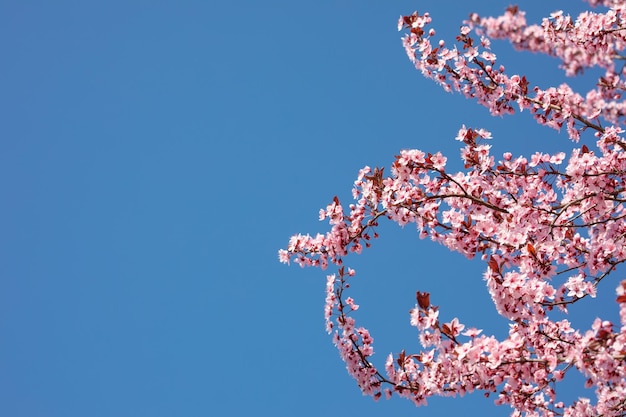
[{"x": 155, "y": 155}]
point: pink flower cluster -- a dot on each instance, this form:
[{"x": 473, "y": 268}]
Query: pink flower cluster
[
  {"x": 549, "y": 228},
  {"x": 593, "y": 39}
]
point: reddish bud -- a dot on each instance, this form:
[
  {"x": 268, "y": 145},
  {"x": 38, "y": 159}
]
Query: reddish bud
[
  {"x": 423, "y": 300},
  {"x": 493, "y": 264},
  {"x": 401, "y": 358}
]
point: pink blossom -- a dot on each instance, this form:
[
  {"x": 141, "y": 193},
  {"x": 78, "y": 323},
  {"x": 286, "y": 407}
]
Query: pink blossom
[
  {"x": 472, "y": 332},
  {"x": 350, "y": 302}
]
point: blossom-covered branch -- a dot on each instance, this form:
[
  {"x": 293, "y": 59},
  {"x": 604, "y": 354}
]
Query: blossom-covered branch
[{"x": 549, "y": 227}]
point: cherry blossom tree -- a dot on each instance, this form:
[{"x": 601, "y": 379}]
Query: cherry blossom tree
[{"x": 549, "y": 227}]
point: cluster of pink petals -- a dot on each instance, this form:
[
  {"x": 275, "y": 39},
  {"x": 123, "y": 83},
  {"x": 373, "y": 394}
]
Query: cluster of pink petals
[
  {"x": 549, "y": 227},
  {"x": 548, "y": 236},
  {"x": 470, "y": 67}
]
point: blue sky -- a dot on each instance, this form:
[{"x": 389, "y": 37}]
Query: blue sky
[{"x": 155, "y": 155}]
